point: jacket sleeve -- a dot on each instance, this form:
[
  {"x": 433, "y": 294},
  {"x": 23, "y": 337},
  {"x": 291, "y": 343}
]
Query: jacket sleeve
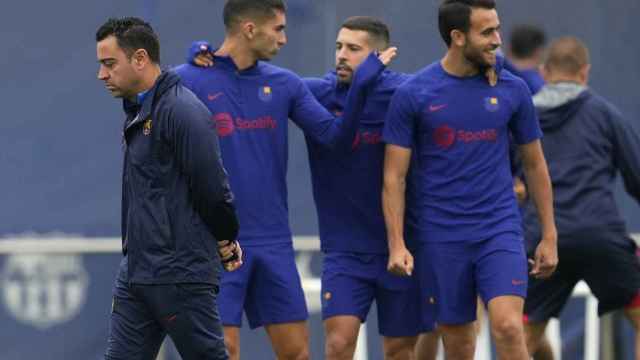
[
  {"x": 322, "y": 126},
  {"x": 197, "y": 151},
  {"x": 626, "y": 153}
]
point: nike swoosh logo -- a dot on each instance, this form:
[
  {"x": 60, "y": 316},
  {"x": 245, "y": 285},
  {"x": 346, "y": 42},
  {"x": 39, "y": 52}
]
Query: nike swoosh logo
[
  {"x": 212, "y": 97},
  {"x": 434, "y": 108},
  {"x": 170, "y": 318}
]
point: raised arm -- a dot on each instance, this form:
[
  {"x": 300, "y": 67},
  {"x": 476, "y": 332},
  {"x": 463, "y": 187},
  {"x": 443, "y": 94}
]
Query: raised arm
[{"x": 322, "y": 126}]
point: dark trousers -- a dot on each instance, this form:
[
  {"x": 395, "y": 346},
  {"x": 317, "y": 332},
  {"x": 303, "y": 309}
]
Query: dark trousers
[{"x": 142, "y": 315}]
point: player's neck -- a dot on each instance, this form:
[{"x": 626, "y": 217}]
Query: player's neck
[
  {"x": 456, "y": 64},
  {"x": 241, "y": 55},
  {"x": 151, "y": 75},
  {"x": 148, "y": 79}
]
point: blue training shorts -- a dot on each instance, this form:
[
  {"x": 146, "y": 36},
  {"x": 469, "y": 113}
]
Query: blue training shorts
[
  {"x": 351, "y": 282},
  {"x": 267, "y": 287},
  {"x": 455, "y": 273}
]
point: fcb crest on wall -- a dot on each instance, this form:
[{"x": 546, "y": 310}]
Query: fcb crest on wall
[{"x": 265, "y": 93}]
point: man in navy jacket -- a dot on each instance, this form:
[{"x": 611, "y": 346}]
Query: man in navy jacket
[
  {"x": 587, "y": 143},
  {"x": 176, "y": 205}
]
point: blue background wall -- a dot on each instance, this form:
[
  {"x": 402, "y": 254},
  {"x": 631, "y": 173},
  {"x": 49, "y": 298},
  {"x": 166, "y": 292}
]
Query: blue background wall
[{"x": 60, "y": 133}]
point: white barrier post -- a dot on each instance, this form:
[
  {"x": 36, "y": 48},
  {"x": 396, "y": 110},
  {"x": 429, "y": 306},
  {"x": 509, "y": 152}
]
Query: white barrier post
[
  {"x": 362, "y": 352},
  {"x": 555, "y": 338}
]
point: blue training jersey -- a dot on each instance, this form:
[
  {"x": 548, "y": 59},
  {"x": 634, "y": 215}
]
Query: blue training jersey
[
  {"x": 251, "y": 109},
  {"x": 347, "y": 185},
  {"x": 531, "y": 77},
  {"x": 460, "y": 185}
]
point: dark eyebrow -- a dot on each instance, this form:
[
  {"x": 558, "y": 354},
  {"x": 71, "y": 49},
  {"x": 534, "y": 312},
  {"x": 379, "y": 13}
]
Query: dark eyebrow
[
  {"x": 489, "y": 29},
  {"x": 348, "y": 44}
]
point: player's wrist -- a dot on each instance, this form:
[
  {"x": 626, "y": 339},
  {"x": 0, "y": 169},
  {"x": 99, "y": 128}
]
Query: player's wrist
[
  {"x": 550, "y": 237},
  {"x": 397, "y": 245},
  {"x": 369, "y": 70}
]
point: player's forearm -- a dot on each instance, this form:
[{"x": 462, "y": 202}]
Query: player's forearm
[
  {"x": 393, "y": 205},
  {"x": 539, "y": 185}
]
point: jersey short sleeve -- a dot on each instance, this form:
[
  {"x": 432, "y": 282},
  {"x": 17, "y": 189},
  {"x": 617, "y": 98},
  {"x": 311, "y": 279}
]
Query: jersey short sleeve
[
  {"x": 400, "y": 123},
  {"x": 524, "y": 124}
]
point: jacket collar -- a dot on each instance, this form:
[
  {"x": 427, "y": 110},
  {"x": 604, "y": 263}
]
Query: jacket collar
[{"x": 140, "y": 112}]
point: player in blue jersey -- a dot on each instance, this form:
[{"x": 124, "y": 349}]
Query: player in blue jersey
[
  {"x": 346, "y": 187},
  {"x": 525, "y": 53},
  {"x": 526, "y": 49},
  {"x": 453, "y": 128},
  {"x": 345, "y": 184},
  {"x": 251, "y": 102}
]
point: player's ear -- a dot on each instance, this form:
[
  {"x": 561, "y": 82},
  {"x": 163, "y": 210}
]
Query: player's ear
[
  {"x": 458, "y": 38},
  {"x": 584, "y": 73},
  {"x": 140, "y": 58},
  {"x": 248, "y": 29},
  {"x": 544, "y": 71}
]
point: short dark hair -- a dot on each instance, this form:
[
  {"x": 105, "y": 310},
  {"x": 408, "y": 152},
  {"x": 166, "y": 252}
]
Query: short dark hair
[
  {"x": 131, "y": 34},
  {"x": 234, "y": 10},
  {"x": 526, "y": 40},
  {"x": 378, "y": 31},
  {"x": 456, "y": 15}
]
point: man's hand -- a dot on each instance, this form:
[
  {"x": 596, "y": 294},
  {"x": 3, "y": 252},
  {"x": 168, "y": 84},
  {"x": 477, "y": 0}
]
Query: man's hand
[
  {"x": 546, "y": 258},
  {"x": 230, "y": 254},
  {"x": 387, "y": 55},
  {"x": 400, "y": 262},
  {"x": 519, "y": 189},
  {"x": 200, "y": 53},
  {"x": 204, "y": 59}
]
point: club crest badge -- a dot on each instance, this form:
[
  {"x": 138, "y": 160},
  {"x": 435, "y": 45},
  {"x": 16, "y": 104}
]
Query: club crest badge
[
  {"x": 265, "y": 93},
  {"x": 146, "y": 127},
  {"x": 491, "y": 104}
]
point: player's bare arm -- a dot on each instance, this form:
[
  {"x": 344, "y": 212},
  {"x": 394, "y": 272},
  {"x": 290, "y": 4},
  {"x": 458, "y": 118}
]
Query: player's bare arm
[
  {"x": 539, "y": 183},
  {"x": 396, "y": 165}
]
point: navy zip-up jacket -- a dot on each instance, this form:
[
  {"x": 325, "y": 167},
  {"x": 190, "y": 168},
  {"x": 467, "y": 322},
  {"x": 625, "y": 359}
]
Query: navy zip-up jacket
[
  {"x": 586, "y": 143},
  {"x": 176, "y": 200}
]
